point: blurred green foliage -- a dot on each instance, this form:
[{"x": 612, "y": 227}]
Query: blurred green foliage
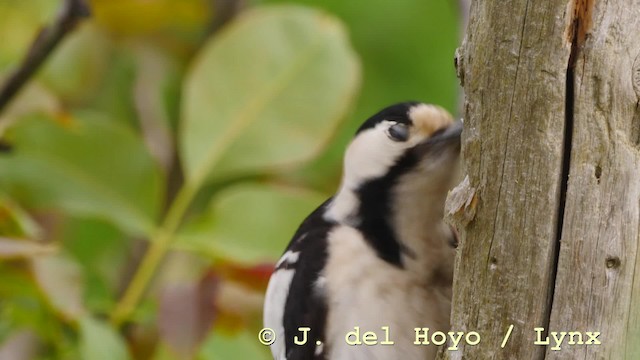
[{"x": 155, "y": 167}]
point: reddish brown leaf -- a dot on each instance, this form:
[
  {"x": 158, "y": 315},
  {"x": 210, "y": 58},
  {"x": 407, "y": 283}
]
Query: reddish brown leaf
[
  {"x": 255, "y": 277},
  {"x": 186, "y": 314},
  {"x": 21, "y": 345},
  {"x": 61, "y": 282},
  {"x": 238, "y": 306}
]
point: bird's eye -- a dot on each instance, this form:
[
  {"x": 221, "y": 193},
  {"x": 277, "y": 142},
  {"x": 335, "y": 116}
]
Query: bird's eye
[{"x": 398, "y": 132}]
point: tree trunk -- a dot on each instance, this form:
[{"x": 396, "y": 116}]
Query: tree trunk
[{"x": 550, "y": 224}]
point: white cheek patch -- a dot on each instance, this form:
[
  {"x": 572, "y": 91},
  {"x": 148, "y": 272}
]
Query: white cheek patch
[{"x": 370, "y": 155}]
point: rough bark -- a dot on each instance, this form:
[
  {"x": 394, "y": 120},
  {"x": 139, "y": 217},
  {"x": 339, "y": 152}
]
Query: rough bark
[
  {"x": 550, "y": 231},
  {"x": 596, "y": 289}
]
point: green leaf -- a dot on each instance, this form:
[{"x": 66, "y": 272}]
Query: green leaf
[
  {"x": 98, "y": 341},
  {"x": 249, "y": 223},
  {"x": 407, "y": 49},
  {"x": 158, "y": 20},
  {"x": 99, "y": 248},
  {"x": 33, "y": 98},
  {"x": 244, "y": 345},
  {"x": 75, "y": 70},
  {"x": 16, "y": 222},
  {"x": 269, "y": 90},
  {"x": 19, "y": 23},
  {"x": 91, "y": 166},
  {"x": 164, "y": 352}
]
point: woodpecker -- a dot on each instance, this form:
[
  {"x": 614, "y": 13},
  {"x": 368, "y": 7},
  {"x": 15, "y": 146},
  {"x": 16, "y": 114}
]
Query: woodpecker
[{"x": 377, "y": 256}]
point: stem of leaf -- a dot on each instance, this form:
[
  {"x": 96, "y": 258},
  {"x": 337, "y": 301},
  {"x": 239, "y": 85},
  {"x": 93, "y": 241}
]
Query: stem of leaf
[{"x": 159, "y": 246}]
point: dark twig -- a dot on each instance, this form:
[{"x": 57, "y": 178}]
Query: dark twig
[
  {"x": 224, "y": 11},
  {"x": 47, "y": 39}
]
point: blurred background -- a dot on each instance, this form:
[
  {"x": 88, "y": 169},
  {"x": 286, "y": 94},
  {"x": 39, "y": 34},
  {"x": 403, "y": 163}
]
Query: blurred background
[{"x": 154, "y": 168}]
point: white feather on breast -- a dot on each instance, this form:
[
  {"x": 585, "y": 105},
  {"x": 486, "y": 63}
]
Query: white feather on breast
[{"x": 365, "y": 291}]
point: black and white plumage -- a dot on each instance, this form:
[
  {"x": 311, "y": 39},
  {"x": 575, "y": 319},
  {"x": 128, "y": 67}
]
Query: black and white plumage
[{"x": 378, "y": 252}]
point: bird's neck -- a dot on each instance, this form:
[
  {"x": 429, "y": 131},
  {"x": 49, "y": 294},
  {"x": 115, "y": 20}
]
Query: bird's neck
[
  {"x": 402, "y": 223},
  {"x": 418, "y": 212},
  {"x": 343, "y": 207}
]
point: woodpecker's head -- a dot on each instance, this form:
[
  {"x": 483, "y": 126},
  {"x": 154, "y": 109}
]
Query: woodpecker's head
[{"x": 397, "y": 172}]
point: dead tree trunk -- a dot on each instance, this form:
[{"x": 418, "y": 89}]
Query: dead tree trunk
[{"x": 550, "y": 233}]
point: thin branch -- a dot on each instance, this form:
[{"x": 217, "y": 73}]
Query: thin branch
[
  {"x": 224, "y": 11},
  {"x": 180, "y": 198},
  {"x": 47, "y": 39}
]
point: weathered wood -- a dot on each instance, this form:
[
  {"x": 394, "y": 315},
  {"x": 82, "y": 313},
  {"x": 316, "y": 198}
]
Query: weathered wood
[
  {"x": 513, "y": 65},
  {"x": 598, "y": 278},
  {"x": 551, "y": 148}
]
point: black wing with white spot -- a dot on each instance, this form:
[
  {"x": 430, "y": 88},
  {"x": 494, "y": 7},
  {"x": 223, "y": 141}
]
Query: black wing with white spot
[{"x": 295, "y": 296}]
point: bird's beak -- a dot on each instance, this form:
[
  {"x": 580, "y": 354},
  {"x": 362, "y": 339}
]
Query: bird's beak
[{"x": 449, "y": 137}]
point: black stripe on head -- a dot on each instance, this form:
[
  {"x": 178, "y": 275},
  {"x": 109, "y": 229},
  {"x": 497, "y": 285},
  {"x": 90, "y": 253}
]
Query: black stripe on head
[
  {"x": 375, "y": 210},
  {"x": 398, "y": 112}
]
